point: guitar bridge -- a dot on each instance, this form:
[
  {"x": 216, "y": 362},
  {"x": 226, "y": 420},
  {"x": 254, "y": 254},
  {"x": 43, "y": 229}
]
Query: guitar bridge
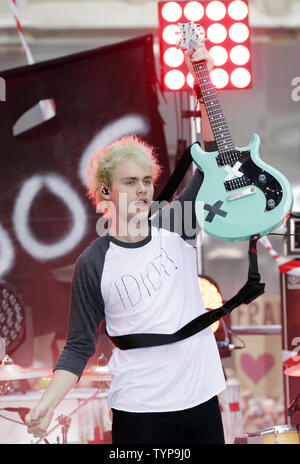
[{"x": 241, "y": 193}]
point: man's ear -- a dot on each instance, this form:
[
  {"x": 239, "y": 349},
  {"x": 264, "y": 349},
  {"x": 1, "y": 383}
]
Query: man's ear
[{"x": 104, "y": 190}]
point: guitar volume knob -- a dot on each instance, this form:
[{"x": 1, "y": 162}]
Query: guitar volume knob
[
  {"x": 271, "y": 203},
  {"x": 262, "y": 178}
]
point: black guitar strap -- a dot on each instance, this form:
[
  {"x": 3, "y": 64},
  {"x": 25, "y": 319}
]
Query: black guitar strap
[
  {"x": 252, "y": 289},
  {"x": 176, "y": 178}
]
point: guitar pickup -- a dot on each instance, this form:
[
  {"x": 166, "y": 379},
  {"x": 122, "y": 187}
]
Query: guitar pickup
[
  {"x": 237, "y": 183},
  {"x": 241, "y": 193}
]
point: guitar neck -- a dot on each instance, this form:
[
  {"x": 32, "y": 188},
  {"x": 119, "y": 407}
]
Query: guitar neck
[{"x": 214, "y": 110}]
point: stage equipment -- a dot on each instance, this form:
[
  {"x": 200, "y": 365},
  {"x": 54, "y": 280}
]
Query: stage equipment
[
  {"x": 12, "y": 317},
  {"x": 293, "y": 371},
  {"x": 228, "y": 41},
  {"x": 97, "y": 373},
  {"x": 280, "y": 435},
  {"x": 10, "y": 371},
  {"x": 212, "y": 297},
  {"x": 294, "y": 406},
  {"x": 11, "y": 374}
]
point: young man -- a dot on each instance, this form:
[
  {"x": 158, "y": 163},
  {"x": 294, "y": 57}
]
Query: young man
[{"x": 142, "y": 277}]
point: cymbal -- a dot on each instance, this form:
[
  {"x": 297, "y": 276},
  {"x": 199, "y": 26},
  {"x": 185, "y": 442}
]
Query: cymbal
[
  {"x": 15, "y": 372},
  {"x": 98, "y": 373},
  {"x": 293, "y": 371}
]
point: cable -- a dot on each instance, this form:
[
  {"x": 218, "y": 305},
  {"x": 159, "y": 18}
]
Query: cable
[
  {"x": 292, "y": 215},
  {"x": 238, "y": 338},
  {"x": 226, "y": 340},
  {"x": 181, "y": 118},
  {"x": 285, "y": 235},
  {"x": 176, "y": 113}
]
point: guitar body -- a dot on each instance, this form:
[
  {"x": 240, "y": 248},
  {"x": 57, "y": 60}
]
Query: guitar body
[{"x": 240, "y": 196}]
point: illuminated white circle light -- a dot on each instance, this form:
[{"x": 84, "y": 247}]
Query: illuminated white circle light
[
  {"x": 174, "y": 79},
  {"x": 59, "y": 187},
  {"x": 239, "y": 55},
  {"x": 190, "y": 80},
  {"x": 219, "y": 55},
  {"x": 240, "y": 78},
  {"x": 171, "y": 11},
  {"x": 238, "y": 10},
  {"x": 219, "y": 78},
  {"x": 193, "y": 11},
  {"x": 171, "y": 33},
  {"x": 216, "y": 10},
  {"x": 239, "y": 32},
  {"x": 173, "y": 57},
  {"x": 217, "y": 33}
]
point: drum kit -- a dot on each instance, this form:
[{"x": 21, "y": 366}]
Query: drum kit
[
  {"x": 280, "y": 435},
  {"x": 10, "y": 372}
]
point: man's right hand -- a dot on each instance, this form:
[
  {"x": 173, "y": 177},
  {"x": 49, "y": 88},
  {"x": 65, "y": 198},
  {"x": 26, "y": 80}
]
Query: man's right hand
[{"x": 38, "y": 420}]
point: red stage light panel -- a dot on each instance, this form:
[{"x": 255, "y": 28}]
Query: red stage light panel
[{"x": 227, "y": 33}]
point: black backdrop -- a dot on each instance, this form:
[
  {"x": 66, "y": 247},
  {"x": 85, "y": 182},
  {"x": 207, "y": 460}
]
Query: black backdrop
[{"x": 45, "y": 218}]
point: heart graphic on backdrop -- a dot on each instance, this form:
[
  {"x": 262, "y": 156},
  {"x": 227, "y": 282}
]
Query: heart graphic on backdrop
[{"x": 257, "y": 368}]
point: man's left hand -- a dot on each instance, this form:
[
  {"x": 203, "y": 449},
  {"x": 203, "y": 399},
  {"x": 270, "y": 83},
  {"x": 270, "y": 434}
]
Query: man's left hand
[{"x": 198, "y": 54}]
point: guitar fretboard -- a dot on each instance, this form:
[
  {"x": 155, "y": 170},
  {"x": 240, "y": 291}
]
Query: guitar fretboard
[{"x": 215, "y": 113}]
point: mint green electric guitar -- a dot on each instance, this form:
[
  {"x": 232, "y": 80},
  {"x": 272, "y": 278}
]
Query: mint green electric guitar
[{"x": 241, "y": 196}]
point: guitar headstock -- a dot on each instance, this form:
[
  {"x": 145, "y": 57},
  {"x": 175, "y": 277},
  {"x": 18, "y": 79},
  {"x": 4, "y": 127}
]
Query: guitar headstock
[{"x": 190, "y": 35}]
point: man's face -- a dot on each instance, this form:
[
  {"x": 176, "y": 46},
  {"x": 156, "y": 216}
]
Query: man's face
[{"x": 131, "y": 191}]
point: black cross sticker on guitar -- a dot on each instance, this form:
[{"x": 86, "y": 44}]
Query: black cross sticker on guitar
[{"x": 213, "y": 210}]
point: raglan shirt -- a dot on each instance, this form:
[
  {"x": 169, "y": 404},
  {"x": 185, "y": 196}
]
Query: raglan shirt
[{"x": 150, "y": 286}]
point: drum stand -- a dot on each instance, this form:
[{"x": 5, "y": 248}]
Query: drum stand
[
  {"x": 293, "y": 407},
  {"x": 65, "y": 421}
]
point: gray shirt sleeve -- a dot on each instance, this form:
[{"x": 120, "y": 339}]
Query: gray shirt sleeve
[{"x": 86, "y": 314}]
